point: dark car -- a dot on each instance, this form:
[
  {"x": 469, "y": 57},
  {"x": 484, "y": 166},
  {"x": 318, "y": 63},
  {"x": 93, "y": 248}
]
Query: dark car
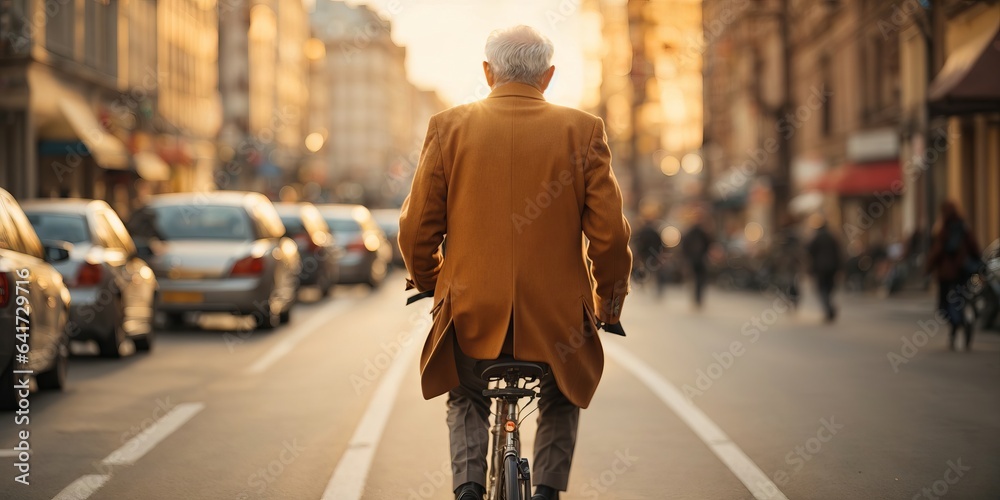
[
  {"x": 317, "y": 245},
  {"x": 367, "y": 251},
  {"x": 112, "y": 289},
  {"x": 388, "y": 220},
  {"x": 34, "y": 307},
  {"x": 222, "y": 251}
]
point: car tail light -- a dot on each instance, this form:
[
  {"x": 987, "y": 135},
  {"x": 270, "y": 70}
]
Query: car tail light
[
  {"x": 89, "y": 274},
  {"x": 248, "y": 266},
  {"x": 4, "y": 290}
]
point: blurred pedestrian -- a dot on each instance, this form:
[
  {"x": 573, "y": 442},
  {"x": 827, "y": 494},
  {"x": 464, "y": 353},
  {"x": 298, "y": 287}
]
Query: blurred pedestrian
[
  {"x": 516, "y": 284},
  {"x": 787, "y": 262},
  {"x": 954, "y": 258},
  {"x": 649, "y": 254},
  {"x": 825, "y": 260},
  {"x": 695, "y": 244}
]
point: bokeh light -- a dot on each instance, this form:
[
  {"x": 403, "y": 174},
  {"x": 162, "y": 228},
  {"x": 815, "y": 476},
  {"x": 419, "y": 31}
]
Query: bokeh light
[{"x": 670, "y": 165}]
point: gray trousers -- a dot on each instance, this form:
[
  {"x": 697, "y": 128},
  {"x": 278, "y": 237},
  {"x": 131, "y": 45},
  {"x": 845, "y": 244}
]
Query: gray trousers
[{"x": 468, "y": 422}]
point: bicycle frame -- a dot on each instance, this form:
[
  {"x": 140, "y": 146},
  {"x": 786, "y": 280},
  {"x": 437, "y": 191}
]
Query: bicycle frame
[{"x": 507, "y": 443}]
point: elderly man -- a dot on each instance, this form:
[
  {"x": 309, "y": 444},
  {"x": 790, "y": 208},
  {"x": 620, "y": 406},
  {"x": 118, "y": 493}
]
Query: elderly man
[{"x": 516, "y": 183}]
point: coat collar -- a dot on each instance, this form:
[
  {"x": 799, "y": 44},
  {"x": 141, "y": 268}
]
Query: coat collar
[{"x": 517, "y": 90}]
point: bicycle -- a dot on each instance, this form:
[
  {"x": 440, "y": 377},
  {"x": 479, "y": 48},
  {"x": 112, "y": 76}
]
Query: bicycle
[{"x": 509, "y": 476}]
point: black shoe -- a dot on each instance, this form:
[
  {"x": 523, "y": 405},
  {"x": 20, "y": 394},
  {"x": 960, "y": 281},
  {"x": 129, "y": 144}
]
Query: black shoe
[
  {"x": 543, "y": 492},
  {"x": 470, "y": 491}
]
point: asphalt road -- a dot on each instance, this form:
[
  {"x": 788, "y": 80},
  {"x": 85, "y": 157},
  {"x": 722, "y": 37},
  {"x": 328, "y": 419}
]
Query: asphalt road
[{"x": 743, "y": 399}]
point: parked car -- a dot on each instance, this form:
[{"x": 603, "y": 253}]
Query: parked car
[
  {"x": 223, "y": 251},
  {"x": 317, "y": 246},
  {"x": 388, "y": 220},
  {"x": 34, "y": 306},
  {"x": 366, "y": 250},
  {"x": 112, "y": 288}
]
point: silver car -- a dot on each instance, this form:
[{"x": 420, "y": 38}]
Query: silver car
[
  {"x": 112, "y": 288},
  {"x": 34, "y": 307},
  {"x": 317, "y": 247},
  {"x": 223, "y": 251},
  {"x": 367, "y": 252},
  {"x": 388, "y": 220}
]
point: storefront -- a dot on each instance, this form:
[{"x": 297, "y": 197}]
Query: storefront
[{"x": 965, "y": 94}]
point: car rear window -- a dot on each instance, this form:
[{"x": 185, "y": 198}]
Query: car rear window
[
  {"x": 183, "y": 222},
  {"x": 345, "y": 225},
  {"x": 71, "y": 228},
  {"x": 293, "y": 224}
]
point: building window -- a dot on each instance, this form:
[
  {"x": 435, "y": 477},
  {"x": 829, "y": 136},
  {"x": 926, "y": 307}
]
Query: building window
[
  {"x": 15, "y": 30},
  {"x": 60, "y": 29},
  {"x": 101, "y": 36}
]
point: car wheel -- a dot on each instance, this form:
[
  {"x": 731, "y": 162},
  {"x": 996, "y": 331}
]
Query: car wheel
[
  {"x": 376, "y": 275},
  {"x": 110, "y": 347},
  {"x": 174, "y": 320},
  {"x": 8, "y": 395},
  {"x": 266, "y": 320},
  {"x": 55, "y": 378},
  {"x": 144, "y": 342}
]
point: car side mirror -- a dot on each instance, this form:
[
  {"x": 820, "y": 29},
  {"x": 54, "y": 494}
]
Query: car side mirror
[{"x": 56, "y": 251}]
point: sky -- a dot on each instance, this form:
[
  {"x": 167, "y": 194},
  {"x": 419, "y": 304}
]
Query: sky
[{"x": 444, "y": 40}]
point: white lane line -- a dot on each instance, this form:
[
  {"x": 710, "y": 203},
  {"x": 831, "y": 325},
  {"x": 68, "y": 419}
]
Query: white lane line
[
  {"x": 348, "y": 481},
  {"x": 139, "y": 445},
  {"x": 131, "y": 451},
  {"x": 289, "y": 342},
  {"x": 82, "y": 488},
  {"x": 728, "y": 452}
]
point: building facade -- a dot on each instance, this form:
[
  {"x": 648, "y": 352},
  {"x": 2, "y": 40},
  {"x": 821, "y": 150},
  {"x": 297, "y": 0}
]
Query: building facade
[
  {"x": 265, "y": 90},
  {"x": 107, "y": 99},
  {"x": 369, "y": 101},
  {"x": 802, "y": 103}
]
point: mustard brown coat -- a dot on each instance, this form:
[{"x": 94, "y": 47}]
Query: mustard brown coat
[{"x": 514, "y": 183}]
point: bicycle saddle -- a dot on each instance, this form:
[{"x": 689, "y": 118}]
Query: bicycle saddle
[{"x": 495, "y": 369}]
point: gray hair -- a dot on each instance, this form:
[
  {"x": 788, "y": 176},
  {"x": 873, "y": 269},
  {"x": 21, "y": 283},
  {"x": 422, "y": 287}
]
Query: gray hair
[{"x": 518, "y": 54}]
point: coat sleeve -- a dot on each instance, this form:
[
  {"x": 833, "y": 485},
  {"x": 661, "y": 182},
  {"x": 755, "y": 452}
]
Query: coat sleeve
[
  {"x": 423, "y": 217},
  {"x": 607, "y": 230}
]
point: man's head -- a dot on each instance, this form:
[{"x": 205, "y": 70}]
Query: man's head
[{"x": 519, "y": 54}]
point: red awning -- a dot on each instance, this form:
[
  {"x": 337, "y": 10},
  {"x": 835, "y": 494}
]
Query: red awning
[{"x": 861, "y": 179}]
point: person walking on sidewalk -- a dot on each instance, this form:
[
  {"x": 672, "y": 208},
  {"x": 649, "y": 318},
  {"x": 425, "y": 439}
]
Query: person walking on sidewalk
[
  {"x": 649, "y": 254},
  {"x": 824, "y": 260},
  {"x": 695, "y": 245},
  {"x": 954, "y": 258},
  {"x": 516, "y": 279}
]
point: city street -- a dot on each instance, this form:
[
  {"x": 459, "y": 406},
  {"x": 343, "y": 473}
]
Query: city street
[{"x": 742, "y": 399}]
